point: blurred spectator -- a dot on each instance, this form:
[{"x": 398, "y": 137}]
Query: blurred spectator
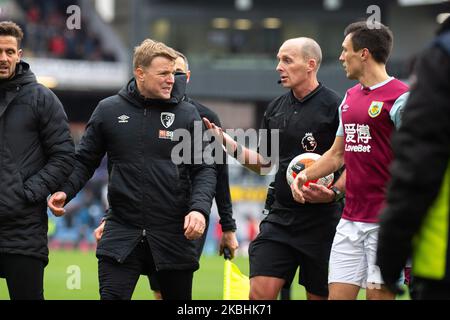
[
  {"x": 48, "y": 36},
  {"x": 57, "y": 46},
  {"x": 252, "y": 227}
]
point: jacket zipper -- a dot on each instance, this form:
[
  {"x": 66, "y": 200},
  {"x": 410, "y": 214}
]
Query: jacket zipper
[
  {"x": 143, "y": 155},
  {"x": 144, "y": 231}
]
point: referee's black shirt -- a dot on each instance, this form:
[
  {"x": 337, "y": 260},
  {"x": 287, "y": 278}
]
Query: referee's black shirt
[{"x": 306, "y": 125}]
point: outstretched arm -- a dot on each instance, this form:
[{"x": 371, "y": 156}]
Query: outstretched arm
[{"x": 248, "y": 158}]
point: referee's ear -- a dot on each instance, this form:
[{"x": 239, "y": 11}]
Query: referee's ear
[{"x": 312, "y": 65}]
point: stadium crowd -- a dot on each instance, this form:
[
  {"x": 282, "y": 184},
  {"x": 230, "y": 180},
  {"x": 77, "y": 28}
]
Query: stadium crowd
[{"x": 43, "y": 23}]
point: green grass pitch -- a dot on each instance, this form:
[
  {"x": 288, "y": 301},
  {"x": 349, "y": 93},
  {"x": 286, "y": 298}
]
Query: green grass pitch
[{"x": 60, "y": 283}]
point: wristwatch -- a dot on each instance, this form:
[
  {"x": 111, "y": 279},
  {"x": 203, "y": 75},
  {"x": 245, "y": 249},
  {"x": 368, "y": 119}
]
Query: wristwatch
[{"x": 338, "y": 195}]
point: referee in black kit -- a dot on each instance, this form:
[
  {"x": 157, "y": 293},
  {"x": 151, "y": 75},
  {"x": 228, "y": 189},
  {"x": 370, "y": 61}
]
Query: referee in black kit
[{"x": 295, "y": 235}]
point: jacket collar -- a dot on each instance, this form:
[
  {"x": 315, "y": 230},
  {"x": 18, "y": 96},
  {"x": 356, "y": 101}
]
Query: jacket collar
[
  {"x": 22, "y": 76},
  {"x": 307, "y": 97}
]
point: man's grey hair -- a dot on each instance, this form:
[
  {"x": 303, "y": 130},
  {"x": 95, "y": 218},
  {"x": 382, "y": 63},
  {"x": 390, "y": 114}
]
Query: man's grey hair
[
  {"x": 186, "y": 62},
  {"x": 311, "y": 50}
]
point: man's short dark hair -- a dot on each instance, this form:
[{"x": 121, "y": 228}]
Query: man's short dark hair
[
  {"x": 378, "y": 39},
  {"x": 9, "y": 28}
]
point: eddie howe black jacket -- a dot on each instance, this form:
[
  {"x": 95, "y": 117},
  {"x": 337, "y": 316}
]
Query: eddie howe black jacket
[
  {"x": 148, "y": 194},
  {"x": 36, "y": 156}
]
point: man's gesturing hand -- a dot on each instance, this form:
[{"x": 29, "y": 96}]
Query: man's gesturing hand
[
  {"x": 194, "y": 225},
  {"x": 56, "y": 203},
  {"x": 215, "y": 130}
]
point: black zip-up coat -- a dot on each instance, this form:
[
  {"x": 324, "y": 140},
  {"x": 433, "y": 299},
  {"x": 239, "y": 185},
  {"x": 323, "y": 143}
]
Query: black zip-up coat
[
  {"x": 36, "y": 156},
  {"x": 422, "y": 154},
  {"x": 148, "y": 194}
]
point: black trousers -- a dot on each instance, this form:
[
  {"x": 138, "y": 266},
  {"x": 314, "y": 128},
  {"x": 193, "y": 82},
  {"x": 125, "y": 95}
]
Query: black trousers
[
  {"x": 199, "y": 243},
  {"x": 24, "y": 276},
  {"x": 424, "y": 289},
  {"x": 118, "y": 280}
]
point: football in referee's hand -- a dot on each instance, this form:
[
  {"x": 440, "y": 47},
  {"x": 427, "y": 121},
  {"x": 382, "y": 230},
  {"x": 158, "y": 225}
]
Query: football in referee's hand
[{"x": 303, "y": 161}]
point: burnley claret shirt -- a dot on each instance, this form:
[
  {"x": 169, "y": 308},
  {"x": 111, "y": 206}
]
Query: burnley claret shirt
[{"x": 368, "y": 117}]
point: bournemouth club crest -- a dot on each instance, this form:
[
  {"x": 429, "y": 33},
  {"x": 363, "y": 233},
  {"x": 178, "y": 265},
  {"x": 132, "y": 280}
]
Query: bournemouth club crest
[
  {"x": 375, "y": 109},
  {"x": 167, "y": 119}
]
